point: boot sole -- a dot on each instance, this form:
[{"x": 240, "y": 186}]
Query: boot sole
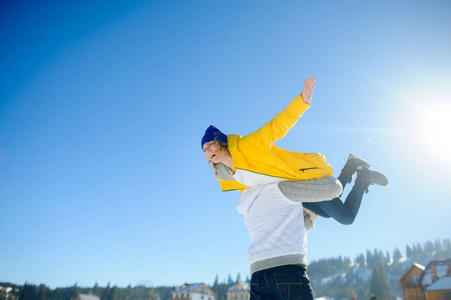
[
  {"x": 359, "y": 162},
  {"x": 379, "y": 178}
]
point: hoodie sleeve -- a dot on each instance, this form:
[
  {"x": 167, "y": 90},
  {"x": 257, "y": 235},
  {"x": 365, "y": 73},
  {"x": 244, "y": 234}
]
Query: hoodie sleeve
[{"x": 308, "y": 223}]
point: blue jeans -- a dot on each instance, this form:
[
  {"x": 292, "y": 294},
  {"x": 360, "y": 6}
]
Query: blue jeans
[
  {"x": 288, "y": 282},
  {"x": 346, "y": 212}
]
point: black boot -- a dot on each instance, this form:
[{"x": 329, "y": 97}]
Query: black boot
[
  {"x": 371, "y": 177},
  {"x": 353, "y": 164}
]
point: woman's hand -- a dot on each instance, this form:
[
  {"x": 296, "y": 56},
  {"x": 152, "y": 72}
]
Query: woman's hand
[
  {"x": 310, "y": 214},
  {"x": 307, "y": 91}
]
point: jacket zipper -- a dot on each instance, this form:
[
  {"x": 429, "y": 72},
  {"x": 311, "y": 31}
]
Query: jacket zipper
[{"x": 302, "y": 170}]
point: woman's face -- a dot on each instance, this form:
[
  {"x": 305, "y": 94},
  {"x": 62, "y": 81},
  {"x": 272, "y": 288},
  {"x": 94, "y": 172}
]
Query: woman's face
[{"x": 213, "y": 152}]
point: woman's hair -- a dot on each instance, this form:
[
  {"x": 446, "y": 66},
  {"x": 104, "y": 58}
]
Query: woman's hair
[{"x": 221, "y": 146}]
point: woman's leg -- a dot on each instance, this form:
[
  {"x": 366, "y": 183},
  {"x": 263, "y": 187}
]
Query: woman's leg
[
  {"x": 353, "y": 162},
  {"x": 342, "y": 212},
  {"x": 344, "y": 179},
  {"x": 346, "y": 212},
  {"x": 315, "y": 208}
]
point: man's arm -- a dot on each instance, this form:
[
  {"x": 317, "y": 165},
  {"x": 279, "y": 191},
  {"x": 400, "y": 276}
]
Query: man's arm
[{"x": 315, "y": 190}]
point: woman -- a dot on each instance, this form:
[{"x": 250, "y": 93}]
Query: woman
[
  {"x": 273, "y": 181},
  {"x": 257, "y": 153}
]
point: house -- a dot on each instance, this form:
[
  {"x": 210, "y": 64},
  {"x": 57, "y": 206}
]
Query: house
[
  {"x": 5, "y": 292},
  {"x": 8, "y": 293},
  {"x": 439, "y": 290},
  {"x": 240, "y": 291},
  {"x": 410, "y": 283},
  {"x": 87, "y": 297},
  {"x": 193, "y": 291},
  {"x": 432, "y": 282}
]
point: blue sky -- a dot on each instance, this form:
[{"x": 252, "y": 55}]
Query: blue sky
[{"x": 103, "y": 105}]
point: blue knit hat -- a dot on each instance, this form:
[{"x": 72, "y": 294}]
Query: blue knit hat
[{"x": 213, "y": 134}]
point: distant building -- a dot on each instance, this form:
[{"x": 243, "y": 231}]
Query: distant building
[
  {"x": 87, "y": 297},
  {"x": 7, "y": 293},
  {"x": 193, "y": 291},
  {"x": 240, "y": 291},
  {"x": 6, "y": 289},
  {"x": 410, "y": 283},
  {"x": 432, "y": 282}
]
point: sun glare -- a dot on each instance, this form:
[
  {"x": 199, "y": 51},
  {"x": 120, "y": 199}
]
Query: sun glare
[
  {"x": 435, "y": 130},
  {"x": 424, "y": 119}
]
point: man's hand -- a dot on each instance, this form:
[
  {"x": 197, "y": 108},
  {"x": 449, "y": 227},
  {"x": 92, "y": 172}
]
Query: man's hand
[{"x": 307, "y": 91}]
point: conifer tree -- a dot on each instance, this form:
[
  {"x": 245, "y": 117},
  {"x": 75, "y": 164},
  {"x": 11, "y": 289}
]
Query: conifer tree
[
  {"x": 42, "y": 292},
  {"x": 429, "y": 248},
  {"x": 216, "y": 283},
  {"x": 73, "y": 292},
  {"x": 409, "y": 252},
  {"x": 420, "y": 251},
  {"x": 56, "y": 294},
  {"x": 238, "y": 277},
  {"x": 397, "y": 256},
  {"x": 107, "y": 292},
  {"x": 95, "y": 289},
  {"x": 379, "y": 283},
  {"x": 360, "y": 260},
  {"x": 27, "y": 292},
  {"x": 438, "y": 246},
  {"x": 230, "y": 280},
  {"x": 369, "y": 258},
  {"x": 378, "y": 257},
  {"x": 113, "y": 294},
  {"x": 447, "y": 246}
]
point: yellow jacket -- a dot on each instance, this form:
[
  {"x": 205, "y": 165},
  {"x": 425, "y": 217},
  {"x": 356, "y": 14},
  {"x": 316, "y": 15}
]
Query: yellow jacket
[{"x": 257, "y": 153}]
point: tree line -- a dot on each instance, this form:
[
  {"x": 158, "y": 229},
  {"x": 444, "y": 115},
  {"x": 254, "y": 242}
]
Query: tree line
[
  {"x": 375, "y": 272},
  {"x": 372, "y": 273}
]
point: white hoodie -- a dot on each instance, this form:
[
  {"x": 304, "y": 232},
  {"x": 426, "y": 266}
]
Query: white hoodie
[{"x": 276, "y": 228}]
